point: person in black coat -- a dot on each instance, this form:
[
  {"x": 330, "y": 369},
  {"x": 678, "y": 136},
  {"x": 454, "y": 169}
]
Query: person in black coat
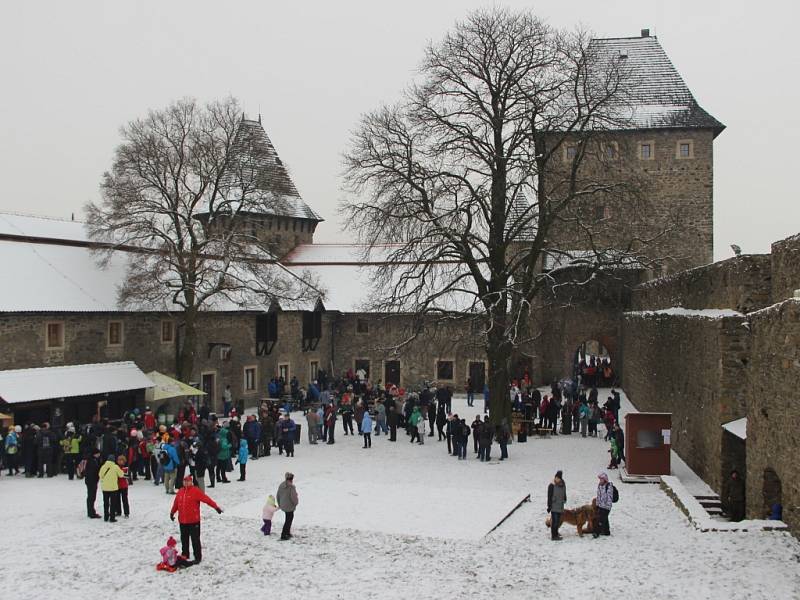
[
  {"x": 619, "y": 436},
  {"x": 556, "y": 499},
  {"x": 91, "y": 476},
  {"x": 441, "y": 420},
  {"x": 392, "y": 418}
]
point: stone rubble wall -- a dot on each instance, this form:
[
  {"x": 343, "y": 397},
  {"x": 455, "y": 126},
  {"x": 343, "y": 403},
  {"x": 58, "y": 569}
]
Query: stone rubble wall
[
  {"x": 773, "y": 411},
  {"x": 694, "y": 368},
  {"x": 741, "y": 283},
  {"x": 785, "y": 268}
]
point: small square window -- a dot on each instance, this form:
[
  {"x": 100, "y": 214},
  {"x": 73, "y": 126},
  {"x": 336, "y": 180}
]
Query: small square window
[
  {"x": 362, "y": 326},
  {"x": 55, "y": 336},
  {"x": 646, "y": 151},
  {"x": 684, "y": 149},
  {"x": 444, "y": 370},
  {"x": 115, "y": 333},
  {"x": 601, "y": 212},
  {"x": 572, "y": 152},
  {"x": 250, "y": 379},
  {"x": 611, "y": 151},
  {"x": 167, "y": 332}
]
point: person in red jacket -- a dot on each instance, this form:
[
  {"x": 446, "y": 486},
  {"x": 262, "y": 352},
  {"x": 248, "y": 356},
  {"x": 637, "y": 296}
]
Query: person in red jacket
[{"x": 187, "y": 505}]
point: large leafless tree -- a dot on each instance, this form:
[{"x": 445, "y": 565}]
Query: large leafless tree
[
  {"x": 182, "y": 193},
  {"x": 494, "y": 162}
]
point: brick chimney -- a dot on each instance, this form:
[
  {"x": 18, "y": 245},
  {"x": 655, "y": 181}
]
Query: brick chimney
[{"x": 645, "y": 33}]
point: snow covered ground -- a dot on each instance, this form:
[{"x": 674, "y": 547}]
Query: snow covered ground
[{"x": 396, "y": 521}]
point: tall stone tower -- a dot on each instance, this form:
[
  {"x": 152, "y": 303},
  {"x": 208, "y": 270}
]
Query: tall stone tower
[{"x": 284, "y": 220}]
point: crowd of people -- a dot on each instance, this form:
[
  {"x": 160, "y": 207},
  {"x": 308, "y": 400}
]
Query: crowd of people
[{"x": 201, "y": 449}]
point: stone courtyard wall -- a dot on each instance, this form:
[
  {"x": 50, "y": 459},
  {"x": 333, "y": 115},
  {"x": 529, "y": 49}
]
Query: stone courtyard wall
[
  {"x": 785, "y": 268},
  {"x": 773, "y": 418},
  {"x": 741, "y": 283},
  {"x": 694, "y": 368}
]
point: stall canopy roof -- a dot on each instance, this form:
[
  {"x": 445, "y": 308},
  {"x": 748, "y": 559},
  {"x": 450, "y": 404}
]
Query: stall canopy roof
[
  {"x": 737, "y": 428},
  {"x": 167, "y": 387},
  {"x": 28, "y": 385}
]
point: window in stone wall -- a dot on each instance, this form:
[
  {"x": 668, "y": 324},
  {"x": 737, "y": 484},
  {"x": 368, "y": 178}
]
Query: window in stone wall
[
  {"x": 283, "y": 372},
  {"x": 167, "y": 332},
  {"x": 250, "y": 379},
  {"x": 445, "y": 370},
  {"x": 684, "y": 149},
  {"x": 646, "y": 151},
  {"x": 570, "y": 152},
  {"x": 115, "y": 333},
  {"x": 313, "y": 370},
  {"x": 362, "y": 326},
  {"x": 54, "y": 336},
  {"x": 611, "y": 150},
  {"x": 601, "y": 212}
]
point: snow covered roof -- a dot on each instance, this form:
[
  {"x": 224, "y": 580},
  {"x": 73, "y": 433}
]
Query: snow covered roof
[
  {"x": 12, "y": 224},
  {"x": 28, "y": 385},
  {"x": 253, "y": 148},
  {"x": 737, "y": 428},
  {"x": 658, "y": 96},
  {"x": 520, "y": 212}
]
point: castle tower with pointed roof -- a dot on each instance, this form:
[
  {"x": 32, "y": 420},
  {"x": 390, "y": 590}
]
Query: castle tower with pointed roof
[{"x": 284, "y": 220}]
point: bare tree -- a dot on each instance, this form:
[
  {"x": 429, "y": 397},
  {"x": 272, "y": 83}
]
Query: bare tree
[
  {"x": 184, "y": 191},
  {"x": 492, "y": 167}
]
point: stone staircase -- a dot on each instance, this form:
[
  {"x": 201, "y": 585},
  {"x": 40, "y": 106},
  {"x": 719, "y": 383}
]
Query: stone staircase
[{"x": 712, "y": 505}]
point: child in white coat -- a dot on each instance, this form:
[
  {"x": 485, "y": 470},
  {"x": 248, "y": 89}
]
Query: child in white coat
[{"x": 267, "y": 513}]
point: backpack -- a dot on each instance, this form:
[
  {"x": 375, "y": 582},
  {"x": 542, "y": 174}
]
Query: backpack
[
  {"x": 615, "y": 494},
  {"x": 81, "y": 470},
  {"x": 163, "y": 457}
]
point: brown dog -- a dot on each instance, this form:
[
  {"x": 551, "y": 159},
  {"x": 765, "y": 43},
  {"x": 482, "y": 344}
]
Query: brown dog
[{"x": 584, "y": 518}]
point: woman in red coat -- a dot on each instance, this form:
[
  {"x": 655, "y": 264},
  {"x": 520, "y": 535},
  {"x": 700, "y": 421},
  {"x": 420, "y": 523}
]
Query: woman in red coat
[{"x": 187, "y": 505}]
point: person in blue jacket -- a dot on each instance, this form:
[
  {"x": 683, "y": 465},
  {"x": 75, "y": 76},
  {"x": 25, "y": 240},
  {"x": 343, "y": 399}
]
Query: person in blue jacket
[
  {"x": 242, "y": 462},
  {"x": 170, "y": 466},
  {"x": 366, "y": 429},
  {"x": 287, "y": 434}
]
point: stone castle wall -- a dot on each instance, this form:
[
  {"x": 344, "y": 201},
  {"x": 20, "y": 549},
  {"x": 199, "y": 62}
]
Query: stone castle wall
[
  {"x": 741, "y": 283},
  {"x": 694, "y": 368},
  {"x": 773, "y": 419},
  {"x": 785, "y": 268},
  {"x": 666, "y": 199}
]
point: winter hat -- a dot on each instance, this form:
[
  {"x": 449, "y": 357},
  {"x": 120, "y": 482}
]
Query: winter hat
[
  {"x": 188, "y": 478},
  {"x": 111, "y": 457},
  {"x": 559, "y": 474},
  {"x": 18, "y": 428},
  {"x": 603, "y": 477},
  {"x": 171, "y": 542},
  {"x": 271, "y": 500}
]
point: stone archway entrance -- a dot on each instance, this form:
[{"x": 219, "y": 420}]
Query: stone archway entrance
[{"x": 593, "y": 365}]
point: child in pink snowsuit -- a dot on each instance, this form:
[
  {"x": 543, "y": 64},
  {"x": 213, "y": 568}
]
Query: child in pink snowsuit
[
  {"x": 267, "y": 513},
  {"x": 169, "y": 556}
]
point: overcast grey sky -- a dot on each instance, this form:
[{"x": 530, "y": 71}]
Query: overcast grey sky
[{"x": 73, "y": 72}]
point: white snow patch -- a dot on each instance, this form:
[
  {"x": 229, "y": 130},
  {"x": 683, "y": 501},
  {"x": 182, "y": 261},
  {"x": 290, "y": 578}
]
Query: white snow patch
[
  {"x": 737, "y": 428},
  {"x": 679, "y": 311}
]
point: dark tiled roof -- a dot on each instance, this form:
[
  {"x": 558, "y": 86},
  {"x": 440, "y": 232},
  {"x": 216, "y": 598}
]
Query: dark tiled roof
[
  {"x": 252, "y": 147},
  {"x": 658, "y": 97}
]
